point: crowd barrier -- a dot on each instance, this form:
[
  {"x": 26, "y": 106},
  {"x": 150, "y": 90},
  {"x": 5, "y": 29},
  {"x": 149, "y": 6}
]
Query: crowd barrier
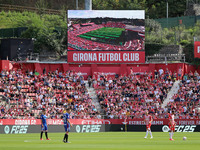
[
  {"x": 97, "y": 121},
  {"x": 23, "y": 129},
  {"x": 23, "y": 126},
  {"x": 92, "y": 69}
]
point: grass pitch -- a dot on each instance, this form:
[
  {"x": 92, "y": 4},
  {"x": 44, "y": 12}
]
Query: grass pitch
[
  {"x": 103, "y": 34},
  {"x": 101, "y": 141}
]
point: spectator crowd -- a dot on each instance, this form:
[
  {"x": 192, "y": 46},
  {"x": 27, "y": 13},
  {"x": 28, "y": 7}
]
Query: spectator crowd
[
  {"x": 187, "y": 100},
  {"x": 127, "y": 96},
  {"x": 27, "y": 94}
]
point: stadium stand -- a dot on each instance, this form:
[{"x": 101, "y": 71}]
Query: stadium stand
[
  {"x": 128, "y": 96},
  {"x": 115, "y": 25},
  {"x": 28, "y": 94},
  {"x": 187, "y": 99},
  {"x": 132, "y": 95}
]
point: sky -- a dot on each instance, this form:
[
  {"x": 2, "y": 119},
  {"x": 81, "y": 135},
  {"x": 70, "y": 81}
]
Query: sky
[{"x": 129, "y": 14}]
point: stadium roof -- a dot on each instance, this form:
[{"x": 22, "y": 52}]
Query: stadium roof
[
  {"x": 140, "y": 29},
  {"x": 84, "y": 24}
]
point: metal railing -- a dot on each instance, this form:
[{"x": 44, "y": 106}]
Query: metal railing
[
  {"x": 59, "y": 116},
  {"x": 37, "y": 116},
  {"x": 5, "y": 101},
  {"x": 36, "y": 57},
  {"x": 24, "y": 8},
  {"x": 166, "y": 58}
]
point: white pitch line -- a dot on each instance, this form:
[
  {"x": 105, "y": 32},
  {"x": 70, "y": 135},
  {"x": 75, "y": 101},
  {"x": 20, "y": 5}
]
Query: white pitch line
[{"x": 41, "y": 141}]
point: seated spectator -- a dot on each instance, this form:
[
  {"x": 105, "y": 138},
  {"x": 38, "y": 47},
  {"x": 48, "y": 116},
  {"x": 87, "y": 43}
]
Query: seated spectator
[{"x": 54, "y": 91}]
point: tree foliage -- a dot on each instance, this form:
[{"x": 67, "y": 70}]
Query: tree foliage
[
  {"x": 153, "y": 8},
  {"x": 158, "y": 8},
  {"x": 156, "y": 36},
  {"x": 51, "y": 4},
  {"x": 41, "y": 5},
  {"x": 40, "y": 27},
  {"x": 176, "y": 35},
  {"x": 118, "y": 4}
]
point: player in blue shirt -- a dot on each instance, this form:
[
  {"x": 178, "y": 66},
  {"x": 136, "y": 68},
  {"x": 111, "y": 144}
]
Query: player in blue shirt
[
  {"x": 44, "y": 125},
  {"x": 67, "y": 124}
]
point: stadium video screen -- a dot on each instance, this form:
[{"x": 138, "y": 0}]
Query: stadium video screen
[{"x": 122, "y": 30}]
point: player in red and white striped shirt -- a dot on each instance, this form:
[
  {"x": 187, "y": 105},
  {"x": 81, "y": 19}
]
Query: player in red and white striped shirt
[
  {"x": 172, "y": 125},
  {"x": 148, "y": 119}
]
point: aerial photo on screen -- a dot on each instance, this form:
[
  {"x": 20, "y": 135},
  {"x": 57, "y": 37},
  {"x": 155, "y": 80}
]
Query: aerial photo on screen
[{"x": 106, "y": 30}]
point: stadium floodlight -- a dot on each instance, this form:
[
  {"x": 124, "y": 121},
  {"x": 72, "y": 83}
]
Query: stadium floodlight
[
  {"x": 88, "y": 4},
  {"x": 76, "y": 4},
  {"x": 167, "y": 9}
]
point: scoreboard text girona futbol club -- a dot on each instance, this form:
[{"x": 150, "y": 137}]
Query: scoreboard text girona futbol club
[
  {"x": 106, "y": 36},
  {"x": 106, "y": 57}
]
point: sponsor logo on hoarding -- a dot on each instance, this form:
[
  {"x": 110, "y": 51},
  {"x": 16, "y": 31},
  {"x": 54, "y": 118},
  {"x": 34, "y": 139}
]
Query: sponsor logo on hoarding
[
  {"x": 108, "y": 73},
  {"x": 165, "y": 128},
  {"x": 143, "y": 123},
  {"x": 180, "y": 128},
  {"x": 88, "y": 128},
  {"x": 187, "y": 128},
  {"x": 54, "y": 121},
  {"x": 124, "y": 122},
  {"x": 78, "y": 129},
  {"x": 82, "y": 73},
  {"x": 16, "y": 129},
  {"x": 25, "y": 122},
  {"x": 197, "y": 49},
  {"x": 197, "y": 122},
  {"x": 6, "y": 129},
  {"x": 95, "y": 122},
  {"x": 186, "y": 122}
]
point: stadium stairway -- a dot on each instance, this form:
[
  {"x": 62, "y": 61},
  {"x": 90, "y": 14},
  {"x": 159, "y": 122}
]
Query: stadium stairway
[
  {"x": 92, "y": 94},
  {"x": 4, "y": 101},
  {"x": 172, "y": 92}
]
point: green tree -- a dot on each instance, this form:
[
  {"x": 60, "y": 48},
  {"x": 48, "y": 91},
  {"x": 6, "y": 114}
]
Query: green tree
[
  {"x": 41, "y": 5},
  {"x": 118, "y": 4},
  {"x": 153, "y": 8},
  {"x": 50, "y": 31}
]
